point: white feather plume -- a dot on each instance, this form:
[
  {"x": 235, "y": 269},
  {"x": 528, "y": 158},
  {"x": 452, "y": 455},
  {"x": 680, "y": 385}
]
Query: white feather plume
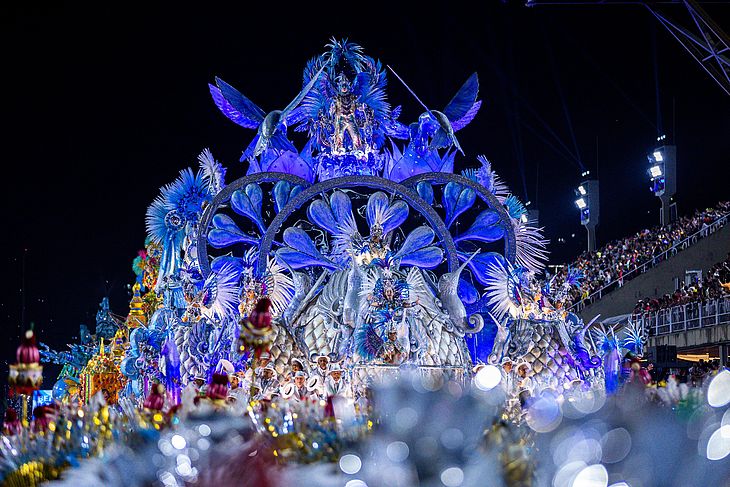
[
  {"x": 498, "y": 290},
  {"x": 213, "y": 172},
  {"x": 532, "y": 250}
]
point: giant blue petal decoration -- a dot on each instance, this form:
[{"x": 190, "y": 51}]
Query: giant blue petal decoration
[
  {"x": 341, "y": 209},
  {"x": 417, "y": 250},
  {"x": 389, "y": 216},
  {"x": 425, "y": 191},
  {"x": 447, "y": 162},
  {"x": 248, "y": 203},
  {"x": 227, "y": 261},
  {"x": 426, "y": 258},
  {"x": 393, "y": 156},
  {"x": 457, "y": 199},
  {"x": 481, "y": 262},
  {"x": 225, "y": 232},
  {"x": 321, "y": 215},
  {"x": 283, "y": 192},
  {"x": 413, "y": 163},
  {"x": 417, "y": 239},
  {"x": 301, "y": 251},
  {"x": 484, "y": 229},
  {"x": 290, "y": 163},
  {"x": 467, "y": 292}
]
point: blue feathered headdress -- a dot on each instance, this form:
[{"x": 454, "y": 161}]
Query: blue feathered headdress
[{"x": 178, "y": 205}]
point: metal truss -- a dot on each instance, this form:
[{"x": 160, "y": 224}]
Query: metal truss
[{"x": 703, "y": 39}]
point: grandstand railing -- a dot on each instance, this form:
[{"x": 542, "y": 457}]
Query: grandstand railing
[
  {"x": 685, "y": 317},
  {"x": 655, "y": 260}
]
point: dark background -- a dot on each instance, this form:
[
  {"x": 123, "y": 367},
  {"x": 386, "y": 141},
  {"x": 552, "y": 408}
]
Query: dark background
[{"x": 103, "y": 105}]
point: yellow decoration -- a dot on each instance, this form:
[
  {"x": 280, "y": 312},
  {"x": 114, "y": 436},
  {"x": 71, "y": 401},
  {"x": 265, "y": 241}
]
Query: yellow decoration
[
  {"x": 120, "y": 345},
  {"x": 32, "y": 474},
  {"x": 136, "y": 316},
  {"x": 101, "y": 374}
]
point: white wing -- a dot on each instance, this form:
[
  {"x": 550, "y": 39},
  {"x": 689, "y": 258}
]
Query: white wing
[
  {"x": 498, "y": 290},
  {"x": 221, "y": 293},
  {"x": 279, "y": 286},
  {"x": 213, "y": 172},
  {"x": 366, "y": 289},
  {"x": 421, "y": 291},
  {"x": 531, "y": 246}
]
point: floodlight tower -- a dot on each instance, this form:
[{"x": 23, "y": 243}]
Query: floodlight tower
[
  {"x": 663, "y": 174},
  {"x": 587, "y": 202}
]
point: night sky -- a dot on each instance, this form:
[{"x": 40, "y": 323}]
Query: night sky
[{"x": 103, "y": 105}]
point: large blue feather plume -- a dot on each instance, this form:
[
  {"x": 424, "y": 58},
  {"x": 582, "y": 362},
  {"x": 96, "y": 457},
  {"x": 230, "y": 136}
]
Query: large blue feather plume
[
  {"x": 337, "y": 219},
  {"x": 514, "y": 207},
  {"x": 488, "y": 178},
  {"x": 367, "y": 342},
  {"x": 370, "y": 86},
  {"x": 156, "y": 227},
  {"x": 574, "y": 276},
  {"x": 179, "y": 205}
]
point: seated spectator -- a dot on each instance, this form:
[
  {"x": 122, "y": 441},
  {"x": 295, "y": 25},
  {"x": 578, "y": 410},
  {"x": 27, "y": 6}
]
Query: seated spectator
[
  {"x": 716, "y": 285},
  {"x": 621, "y": 260}
]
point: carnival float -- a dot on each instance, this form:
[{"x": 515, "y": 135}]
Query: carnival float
[{"x": 332, "y": 267}]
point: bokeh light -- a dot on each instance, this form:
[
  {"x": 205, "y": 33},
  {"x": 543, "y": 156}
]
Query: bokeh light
[
  {"x": 616, "y": 445},
  {"x": 452, "y": 477},
  {"x": 718, "y": 447},
  {"x": 718, "y": 393},
  {"x": 350, "y": 464},
  {"x": 178, "y": 442},
  {"x": 544, "y": 414},
  {"x": 592, "y": 476},
  {"x": 397, "y": 451},
  {"x": 487, "y": 378}
]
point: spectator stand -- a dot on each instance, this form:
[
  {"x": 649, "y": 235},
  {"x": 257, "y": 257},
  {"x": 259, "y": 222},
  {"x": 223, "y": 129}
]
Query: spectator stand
[{"x": 610, "y": 267}]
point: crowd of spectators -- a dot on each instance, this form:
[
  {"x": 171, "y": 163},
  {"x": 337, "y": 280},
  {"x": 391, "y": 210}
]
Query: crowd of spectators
[
  {"x": 715, "y": 285},
  {"x": 614, "y": 262},
  {"x": 695, "y": 375}
]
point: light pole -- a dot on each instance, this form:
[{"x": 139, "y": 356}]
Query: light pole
[
  {"x": 663, "y": 175},
  {"x": 587, "y": 203}
]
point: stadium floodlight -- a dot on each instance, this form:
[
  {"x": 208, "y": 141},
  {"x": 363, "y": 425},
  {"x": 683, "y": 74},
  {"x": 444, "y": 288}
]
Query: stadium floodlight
[
  {"x": 588, "y": 202},
  {"x": 662, "y": 171}
]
